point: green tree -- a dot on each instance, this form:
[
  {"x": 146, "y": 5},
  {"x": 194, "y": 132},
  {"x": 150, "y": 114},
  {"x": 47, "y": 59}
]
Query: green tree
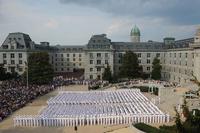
[
  {"x": 156, "y": 72},
  {"x": 130, "y": 67},
  {"x": 186, "y": 111},
  {"x": 179, "y": 125},
  {"x": 40, "y": 70},
  {"x": 107, "y": 74},
  {"x": 3, "y": 75}
]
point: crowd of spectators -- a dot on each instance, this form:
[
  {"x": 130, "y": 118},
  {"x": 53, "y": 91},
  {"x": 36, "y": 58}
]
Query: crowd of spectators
[
  {"x": 14, "y": 94},
  {"x": 158, "y": 82}
]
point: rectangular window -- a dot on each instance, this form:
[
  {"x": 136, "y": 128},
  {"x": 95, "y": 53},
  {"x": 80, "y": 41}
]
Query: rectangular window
[
  {"x": 12, "y": 61},
  {"x": 186, "y": 55},
  {"x": 120, "y": 55},
  {"x": 106, "y": 61},
  {"x": 91, "y": 55},
  {"x": 148, "y": 68},
  {"x": 174, "y": 55},
  {"x": 98, "y": 69},
  {"x": 98, "y": 54},
  {"x": 61, "y": 55},
  {"x": 91, "y": 69},
  {"x": 20, "y": 69},
  {"x": 80, "y": 64},
  {"x": 91, "y": 61},
  {"x": 12, "y": 55},
  {"x": 148, "y": 54},
  {"x": 4, "y": 61},
  {"x": 179, "y": 55},
  {"x": 74, "y": 59},
  {"x": 80, "y": 55},
  {"x": 139, "y": 55},
  {"x": 20, "y": 61},
  {"x": 106, "y": 55},
  {"x": 20, "y": 55},
  {"x": 67, "y": 59},
  {"x": 158, "y": 55},
  {"x": 91, "y": 76},
  {"x": 4, "y": 55},
  {"x": 67, "y": 55},
  {"x": 74, "y": 55},
  {"x": 148, "y": 61},
  {"x": 98, "y": 61},
  {"x": 79, "y": 59},
  {"x": 119, "y": 61},
  {"x": 139, "y": 61}
]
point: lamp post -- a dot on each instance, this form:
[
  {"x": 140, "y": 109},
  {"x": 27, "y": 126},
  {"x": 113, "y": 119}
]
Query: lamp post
[{"x": 26, "y": 63}]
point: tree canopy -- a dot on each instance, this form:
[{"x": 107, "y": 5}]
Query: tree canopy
[
  {"x": 107, "y": 74},
  {"x": 2, "y": 73},
  {"x": 130, "y": 67},
  {"x": 156, "y": 72},
  {"x": 40, "y": 71}
]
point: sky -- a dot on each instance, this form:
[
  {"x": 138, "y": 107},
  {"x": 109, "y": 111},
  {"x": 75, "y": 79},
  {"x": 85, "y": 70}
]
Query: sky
[{"x": 73, "y": 22}]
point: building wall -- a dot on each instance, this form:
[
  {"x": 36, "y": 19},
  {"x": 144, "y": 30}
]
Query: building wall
[
  {"x": 96, "y": 62},
  {"x": 67, "y": 61},
  {"x": 178, "y": 64},
  {"x": 13, "y": 61}
]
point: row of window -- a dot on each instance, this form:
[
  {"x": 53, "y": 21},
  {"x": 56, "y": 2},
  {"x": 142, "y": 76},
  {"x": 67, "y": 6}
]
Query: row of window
[
  {"x": 74, "y": 59},
  {"x": 180, "y": 55},
  {"x": 12, "y": 55},
  {"x": 179, "y": 70},
  {"x": 140, "y": 55},
  {"x": 62, "y": 64},
  {"x": 179, "y": 63},
  {"x": 98, "y": 69},
  {"x": 68, "y": 55},
  {"x": 147, "y": 68},
  {"x": 62, "y": 69},
  {"x": 14, "y": 38},
  {"x": 98, "y": 55},
  {"x": 98, "y": 62},
  {"x": 99, "y": 41},
  {"x": 12, "y": 62},
  {"x": 139, "y": 61}
]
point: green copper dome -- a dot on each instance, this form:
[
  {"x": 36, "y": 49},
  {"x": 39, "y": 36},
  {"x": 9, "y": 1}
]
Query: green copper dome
[{"x": 135, "y": 31}]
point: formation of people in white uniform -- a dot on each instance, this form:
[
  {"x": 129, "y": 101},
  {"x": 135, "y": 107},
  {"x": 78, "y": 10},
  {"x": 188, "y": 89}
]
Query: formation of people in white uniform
[{"x": 96, "y": 108}]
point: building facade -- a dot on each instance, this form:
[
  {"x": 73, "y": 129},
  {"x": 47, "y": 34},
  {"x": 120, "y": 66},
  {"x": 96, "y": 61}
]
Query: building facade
[{"x": 180, "y": 59}]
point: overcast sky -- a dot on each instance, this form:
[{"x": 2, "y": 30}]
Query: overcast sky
[{"x": 73, "y": 22}]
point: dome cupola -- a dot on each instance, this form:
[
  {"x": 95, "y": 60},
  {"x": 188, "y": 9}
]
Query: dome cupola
[{"x": 135, "y": 34}]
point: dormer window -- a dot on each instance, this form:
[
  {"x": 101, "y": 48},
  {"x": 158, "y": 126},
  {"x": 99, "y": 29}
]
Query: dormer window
[
  {"x": 5, "y": 46},
  {"x": 12, "y": 47}
]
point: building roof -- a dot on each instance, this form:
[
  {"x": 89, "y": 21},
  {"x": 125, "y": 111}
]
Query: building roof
[{"x": 135, "y": 31}]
